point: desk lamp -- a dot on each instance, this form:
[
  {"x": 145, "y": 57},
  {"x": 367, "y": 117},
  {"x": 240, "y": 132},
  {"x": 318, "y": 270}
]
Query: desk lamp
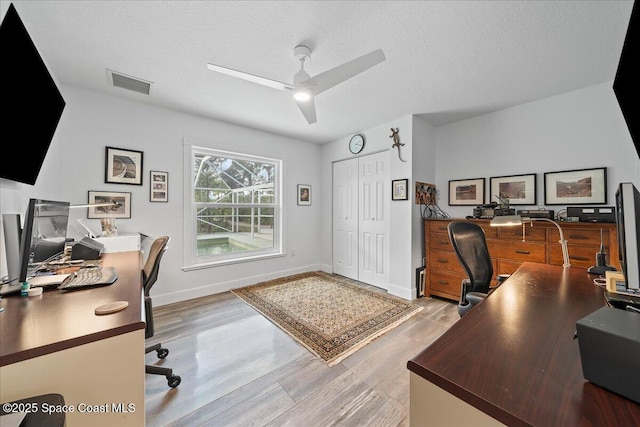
[{"x": 513, "y": 220}]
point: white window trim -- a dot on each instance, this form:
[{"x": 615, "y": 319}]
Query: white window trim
[{"x": 191, "y": 261}]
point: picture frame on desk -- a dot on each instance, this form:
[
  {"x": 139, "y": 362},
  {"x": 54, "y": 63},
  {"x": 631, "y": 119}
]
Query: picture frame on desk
[
  {"x": 518, "y": 189},
  {"x": 159, "y": 187},
  {"x": 576, "y": 187},
  {"x": 122, "y": 210},
  {"x": 464, "y": 192},
  {"x": 123, "y": 166}
]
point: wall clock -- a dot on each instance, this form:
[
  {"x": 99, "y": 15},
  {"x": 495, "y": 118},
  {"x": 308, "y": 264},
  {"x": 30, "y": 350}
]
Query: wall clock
[{"x": 356, "y": 143}]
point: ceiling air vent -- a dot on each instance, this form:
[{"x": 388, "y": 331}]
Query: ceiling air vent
[{"x": 128, "y": 82}]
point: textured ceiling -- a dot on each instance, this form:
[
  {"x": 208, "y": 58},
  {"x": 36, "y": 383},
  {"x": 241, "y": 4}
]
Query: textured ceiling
[{"x": 446, "y": 60}]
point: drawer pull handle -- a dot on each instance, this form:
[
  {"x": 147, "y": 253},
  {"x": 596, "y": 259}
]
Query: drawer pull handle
[
  {"x": 443, "y": 282},
  {"x": 442, "y": 228},
  {"x": 578, "y": 237},
  {"x": 443, "y": 261},
  {"x": 579, "y": 258},
  {"x": 443, "y": 242},
  {"x": 523, "y": 252}
]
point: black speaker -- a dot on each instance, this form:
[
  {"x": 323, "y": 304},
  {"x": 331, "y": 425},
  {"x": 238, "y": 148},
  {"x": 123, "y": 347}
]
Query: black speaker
[
  {"x": 87, "y": 249},
  {"x": 609, "y": 340}
]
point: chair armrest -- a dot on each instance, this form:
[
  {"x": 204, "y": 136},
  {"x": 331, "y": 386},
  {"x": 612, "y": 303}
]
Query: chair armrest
[{"x": 476, "y": 297}]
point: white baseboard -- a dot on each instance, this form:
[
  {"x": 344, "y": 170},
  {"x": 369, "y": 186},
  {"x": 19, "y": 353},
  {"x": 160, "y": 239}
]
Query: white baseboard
[{"x": 216, "y": 288}]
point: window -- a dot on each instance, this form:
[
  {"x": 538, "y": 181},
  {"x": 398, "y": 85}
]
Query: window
[{"x": 234, "y": 212}]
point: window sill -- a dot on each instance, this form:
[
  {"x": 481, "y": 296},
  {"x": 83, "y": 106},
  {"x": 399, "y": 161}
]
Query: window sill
[{"x": 220, "y": 263}]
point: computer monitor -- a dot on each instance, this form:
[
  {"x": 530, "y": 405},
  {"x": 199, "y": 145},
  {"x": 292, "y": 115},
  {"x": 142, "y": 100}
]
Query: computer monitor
[
  {"x": 12, "y": 228},
  {"x": 43, "y": 235},
  {"x": 628, "y": 222}
]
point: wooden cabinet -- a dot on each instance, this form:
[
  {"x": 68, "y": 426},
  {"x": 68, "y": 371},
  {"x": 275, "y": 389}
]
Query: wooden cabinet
[{"x": 508, "y": 250}]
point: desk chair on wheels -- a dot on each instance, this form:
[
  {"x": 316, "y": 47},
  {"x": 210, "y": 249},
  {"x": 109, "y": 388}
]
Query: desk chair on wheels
[
  {"x": 470, "y": 246},
  {"x": 149, "y": 277}
]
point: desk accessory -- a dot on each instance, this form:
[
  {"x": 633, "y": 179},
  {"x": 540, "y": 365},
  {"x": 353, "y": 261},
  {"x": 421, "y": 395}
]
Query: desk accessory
[
  {"x": 609, "y": 341},
  {"x": 111, "y": 307},
  {"x": 601, "y": 260}
]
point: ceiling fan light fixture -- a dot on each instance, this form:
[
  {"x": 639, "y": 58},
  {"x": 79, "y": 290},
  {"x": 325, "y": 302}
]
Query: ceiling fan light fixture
[{"x": 302, "y": 94}]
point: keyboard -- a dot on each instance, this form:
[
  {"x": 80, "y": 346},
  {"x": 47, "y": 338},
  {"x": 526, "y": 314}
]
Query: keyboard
[{"x": 88, "y": 277}]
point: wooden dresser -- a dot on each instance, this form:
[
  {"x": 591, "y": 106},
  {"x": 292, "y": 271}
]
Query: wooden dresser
[{"x": 444, "y": 273}]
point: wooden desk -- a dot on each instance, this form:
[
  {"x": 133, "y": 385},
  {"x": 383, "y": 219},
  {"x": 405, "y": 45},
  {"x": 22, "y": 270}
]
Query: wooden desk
[
  {"x": 54, "y": 343},
  {"x": 513, "y": 360}
]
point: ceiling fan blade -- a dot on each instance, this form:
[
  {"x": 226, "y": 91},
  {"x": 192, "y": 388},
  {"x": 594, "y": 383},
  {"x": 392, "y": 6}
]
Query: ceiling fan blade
[
  {"x": 308, "y": 109},
  {"x": 337, "y": 75},
  {"x": 250, "y": 77}
]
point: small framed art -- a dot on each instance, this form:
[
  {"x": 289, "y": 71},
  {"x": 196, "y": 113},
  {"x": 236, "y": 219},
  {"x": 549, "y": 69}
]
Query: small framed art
[
  {"x": 464, "y": 192},
  {"x": 576, "y": 187},
  {"x": 304, "y": 195},
  {"x": 159, "y": 187},
  {"x": 115, "y": 205},
  {"x": 123, "y": 166},
  {"x": 518, "y": 189},
  {"x": 399, "y": 189}
]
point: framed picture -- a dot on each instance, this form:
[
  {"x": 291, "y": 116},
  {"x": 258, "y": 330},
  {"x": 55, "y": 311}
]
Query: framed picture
[
  {"x": 466, "y": 192},
  {"x": 159, "y": 187},
  {"x": 120, "y": 205},
  {"x": 518, "y": 189},
  {"x": 123, "y": 166},
  {"x": 304, "y": 195},
  {"x": 399, "y": 189},
  {"x": 576, "y": 187}
]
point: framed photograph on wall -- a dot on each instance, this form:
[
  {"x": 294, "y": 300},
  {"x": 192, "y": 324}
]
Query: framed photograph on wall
[
  {"x": 399, "y": 189},
  {"x": 464, "y": 192},
  {"x": 576, "y": 187},
  {"x": 123, "y": 166},
  {"x": 116, "y": 205},
  {"x": 159, "y": 187},
  {"x": 304, "y": 195},
  {"x": 518, "y": 189}
]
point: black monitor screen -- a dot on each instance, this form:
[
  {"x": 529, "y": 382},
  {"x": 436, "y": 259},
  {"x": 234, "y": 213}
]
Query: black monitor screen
[
  {"x": 625, "y": 84},
  {"x": 32, "y": 103},
  {"x": 628, "y": 222},
  {"x": 43, "y": 234}
]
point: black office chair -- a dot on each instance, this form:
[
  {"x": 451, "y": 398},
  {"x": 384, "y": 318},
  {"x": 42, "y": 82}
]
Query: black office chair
[
  {"x": 149, "y": 277},
  {"x": 470, "y": 245}
]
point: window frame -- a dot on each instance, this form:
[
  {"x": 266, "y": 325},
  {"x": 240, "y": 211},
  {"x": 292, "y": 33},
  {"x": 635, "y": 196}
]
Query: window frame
[{"x": 191, "y": 259}]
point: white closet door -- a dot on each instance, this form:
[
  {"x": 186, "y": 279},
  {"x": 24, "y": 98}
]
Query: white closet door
[
  {"x": 373, "y": 206},
  {"x": 345, "y": 218},
  {"x": 361, "y": 194}
]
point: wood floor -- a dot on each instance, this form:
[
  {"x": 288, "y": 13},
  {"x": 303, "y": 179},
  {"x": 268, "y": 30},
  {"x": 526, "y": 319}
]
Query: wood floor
[{"x": 238, "y": 369}]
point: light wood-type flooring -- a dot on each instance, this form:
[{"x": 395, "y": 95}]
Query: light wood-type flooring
[{"x": 239, "y": 369}]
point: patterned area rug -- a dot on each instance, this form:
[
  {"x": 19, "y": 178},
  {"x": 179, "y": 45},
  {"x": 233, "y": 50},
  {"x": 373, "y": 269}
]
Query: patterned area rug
[{"x": 328, "y": 315}]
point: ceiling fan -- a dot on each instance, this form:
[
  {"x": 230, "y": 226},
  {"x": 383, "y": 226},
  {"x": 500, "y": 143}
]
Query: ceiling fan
[{"x": 305, "y": 87}]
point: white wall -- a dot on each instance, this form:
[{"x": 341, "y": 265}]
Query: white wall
[
  {"x": 576, "y": 130},
  {"x": 75, "y": 165},
  {"x": 378, "y": 139}
]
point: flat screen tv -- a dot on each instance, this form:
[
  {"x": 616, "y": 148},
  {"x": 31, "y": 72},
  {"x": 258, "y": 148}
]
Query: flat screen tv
[
  {"x": 32, "y": 104},
  {"x": 625, "y": 84},
  {"x": 43, "y": 234},
  {"x": 628, "y": 222}
]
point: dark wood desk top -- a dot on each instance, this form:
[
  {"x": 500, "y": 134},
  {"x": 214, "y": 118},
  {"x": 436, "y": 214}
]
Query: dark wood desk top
[
  {"x": 35, "y": 326},
  {"x": 514, "y": 356}
]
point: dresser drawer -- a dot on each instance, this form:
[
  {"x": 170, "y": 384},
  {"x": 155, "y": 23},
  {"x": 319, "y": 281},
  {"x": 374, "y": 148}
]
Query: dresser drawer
[
  {"x": 520, "y": 251},
  {"x": 579, "y": 256},
  {"x": 444, "y": 260},
  {"x": 534, "y": 234},
  {"x": 579, "y": 236},
  {"x": 508, "y": 266},
  {"x": 438, "y": 226},
  {"x": 445, "y": 282},
  {"x": 439, "y": 241}
]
